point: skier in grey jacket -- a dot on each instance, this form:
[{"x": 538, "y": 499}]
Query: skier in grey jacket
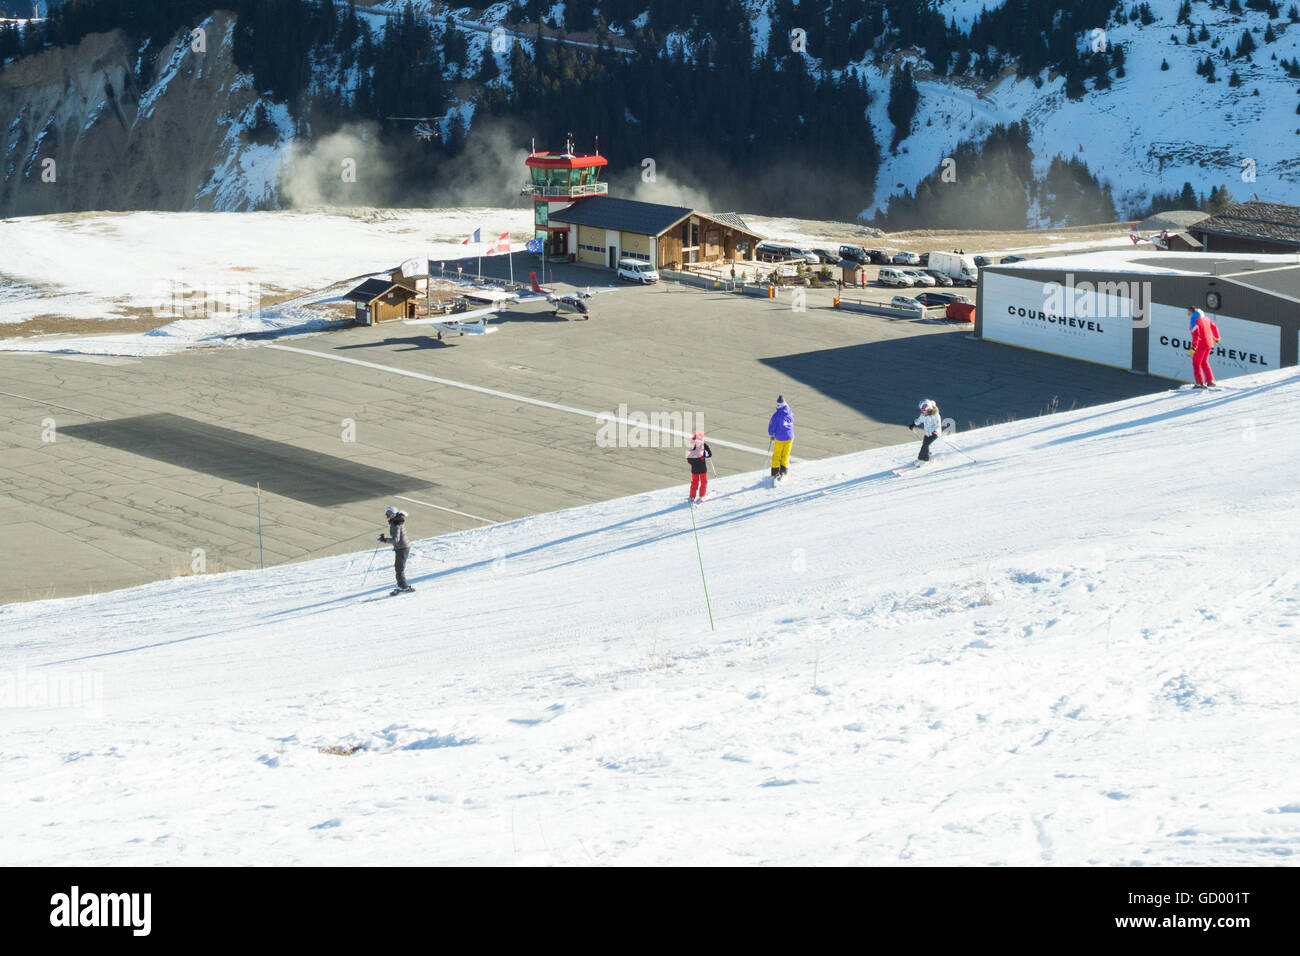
[{"x": 401, "y": 548}]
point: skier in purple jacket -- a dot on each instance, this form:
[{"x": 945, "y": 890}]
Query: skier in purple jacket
[{"x": 781, "y": 430}]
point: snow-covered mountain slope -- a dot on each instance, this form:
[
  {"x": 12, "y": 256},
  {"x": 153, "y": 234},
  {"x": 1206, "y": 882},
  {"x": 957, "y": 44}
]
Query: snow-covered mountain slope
[
  {"x": 187, "y": 138},
  {"x": 1153, "y": 130},
  {"x": 1072, "y": 642}
]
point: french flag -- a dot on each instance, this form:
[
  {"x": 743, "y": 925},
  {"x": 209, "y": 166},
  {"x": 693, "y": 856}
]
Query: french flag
[
  {"x": 502, "y": 244},
  {"x": 473, "y": 238}
]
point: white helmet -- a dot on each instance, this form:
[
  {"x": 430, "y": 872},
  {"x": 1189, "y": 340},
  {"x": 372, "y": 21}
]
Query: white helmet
[{"x": 925, "y": 404}]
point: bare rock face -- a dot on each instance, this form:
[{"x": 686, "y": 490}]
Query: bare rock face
[{"x": 83, "y": 131}]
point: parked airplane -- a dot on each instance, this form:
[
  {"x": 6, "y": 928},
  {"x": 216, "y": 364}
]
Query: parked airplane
[
  {"x": 569, "y": 301},
  {"x": 473, "y": 322},
  {"x": 1160, "y": 242}
]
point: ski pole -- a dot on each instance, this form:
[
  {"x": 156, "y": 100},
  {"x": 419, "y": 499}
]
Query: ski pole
[
  {"x": 371, "y": 566},
  {"x": 699, "y": 554}
]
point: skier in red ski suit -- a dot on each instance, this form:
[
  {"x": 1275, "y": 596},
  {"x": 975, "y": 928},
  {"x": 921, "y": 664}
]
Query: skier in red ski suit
[
  {"x": 1205, "y": 336},
  {"x": 697, "y": 456}
]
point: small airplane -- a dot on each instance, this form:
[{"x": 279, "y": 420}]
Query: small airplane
[
  {"x": 472, "y": 322},
  {"x": 569, "y": 301},
  {"x": 424, "y": 130},
  {"x": 1160, "y": 242}
]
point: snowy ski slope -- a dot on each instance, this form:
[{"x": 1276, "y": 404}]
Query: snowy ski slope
[{"x": 1079, "y": 648}]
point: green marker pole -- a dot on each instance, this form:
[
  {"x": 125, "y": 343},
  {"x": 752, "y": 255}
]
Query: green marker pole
[{"x": 700, "y": 555}]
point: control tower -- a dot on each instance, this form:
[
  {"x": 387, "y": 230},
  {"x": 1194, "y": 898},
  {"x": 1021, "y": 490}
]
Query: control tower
[{"x": 560, "y": 178}]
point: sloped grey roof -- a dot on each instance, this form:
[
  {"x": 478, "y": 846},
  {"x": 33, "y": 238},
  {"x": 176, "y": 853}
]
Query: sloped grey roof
[
  {"x": 624, "y": 215},
  {"x": 1256, "y": 219},
  {"x": 730, "y": 218},
  {"x": 372, "y": 289}
]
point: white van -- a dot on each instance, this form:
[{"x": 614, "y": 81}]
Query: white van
[
  {"x": 637, "y": 270},
  {"x": 895, "y": 277}
]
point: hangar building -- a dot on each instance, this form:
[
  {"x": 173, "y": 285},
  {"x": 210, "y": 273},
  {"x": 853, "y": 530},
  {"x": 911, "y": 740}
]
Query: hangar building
[{"x": 1129, "y": 309}]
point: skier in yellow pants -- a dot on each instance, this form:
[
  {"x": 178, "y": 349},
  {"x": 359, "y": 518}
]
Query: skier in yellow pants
[{"x": 781, "y": 431}]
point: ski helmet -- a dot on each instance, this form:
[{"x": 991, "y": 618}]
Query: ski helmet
[
  {"x": 925, "y": 403},
  {"x": 389, "y": 512},
  {"x": 698, "y": 436},
  {"x": 780, "y": 400}
]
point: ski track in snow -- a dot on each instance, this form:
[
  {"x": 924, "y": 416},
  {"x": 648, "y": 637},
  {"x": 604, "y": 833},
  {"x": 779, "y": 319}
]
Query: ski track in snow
[{"x": 903, "y": 672}]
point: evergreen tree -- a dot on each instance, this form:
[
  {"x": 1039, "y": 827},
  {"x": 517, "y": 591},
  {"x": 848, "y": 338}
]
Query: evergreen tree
[{"x": 903, "y": 97}]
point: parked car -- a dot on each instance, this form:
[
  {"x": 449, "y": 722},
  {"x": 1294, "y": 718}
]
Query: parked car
[
  {"x": 769, "y": 251},
  {"x": 827, "y": 256},
  {"x": 879, "y": 257},
  {"x": 940, "y": 278},
  {"x": 807, "y": 255},
  {"x": 939, "y": 298},
  {"x": 982, "y": 261},
  {"x": 906, "y": 259},
  {"x": 894, "y": 277},
  {"x": 1006, "y": 259},
  {"x": 920, "y": 278},
  {"x": 855, "y": 254},
  {"x": 637, "y": 270},
  {"x": 906, "y": 302},
  {"x": 925, "y": 259}
]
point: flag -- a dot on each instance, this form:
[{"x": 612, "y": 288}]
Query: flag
[
  {"x": 415, "y": 267},
  {"x": 473, "y": 238},
  {"x": 502, "y": 244},
  {"x": 533, "y": 245}
]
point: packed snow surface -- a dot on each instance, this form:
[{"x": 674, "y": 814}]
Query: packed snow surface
[{"x": 1071, "y": 642}]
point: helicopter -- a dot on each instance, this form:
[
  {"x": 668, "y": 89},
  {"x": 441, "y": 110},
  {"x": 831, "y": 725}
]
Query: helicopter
[{"x": 424, "y": 129}]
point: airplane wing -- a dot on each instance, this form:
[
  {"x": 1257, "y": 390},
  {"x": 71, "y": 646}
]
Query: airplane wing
[
  {"x": 490, "y": 296},
  {"x": 476, "y": 316},
  {"x": 588, "y": 292}
]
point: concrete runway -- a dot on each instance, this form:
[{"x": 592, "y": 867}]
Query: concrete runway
[{"x": 152, "y": 467}]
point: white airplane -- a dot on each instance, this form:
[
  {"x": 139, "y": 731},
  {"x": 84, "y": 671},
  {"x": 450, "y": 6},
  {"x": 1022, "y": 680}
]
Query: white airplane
[
  {"x": 1160, "y": 242},
  {"x": 569, "y": 301},
  {"x": 473, "y": 322}
]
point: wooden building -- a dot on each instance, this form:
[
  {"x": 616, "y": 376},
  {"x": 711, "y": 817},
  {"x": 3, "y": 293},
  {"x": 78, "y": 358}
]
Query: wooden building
[
  {"x": 1254, "y": 226},
  {"x": 607, "y": 229},
  {"x": 384, "y": 300}
]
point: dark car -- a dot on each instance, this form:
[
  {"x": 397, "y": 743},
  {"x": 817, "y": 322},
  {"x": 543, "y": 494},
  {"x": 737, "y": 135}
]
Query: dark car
[
  {"x": 1005, "y": 259},
  {"x": 940, "y": 278},
  {"x": 827, "y": 256},
  {"x": 982, "y": 261},
  {"x": 925, "y": 258},
  {"x": 929, "y": 299},
  {"x": 854, "y": 254}
]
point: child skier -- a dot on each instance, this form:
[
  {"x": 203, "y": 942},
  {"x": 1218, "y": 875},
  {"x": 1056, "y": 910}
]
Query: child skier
[
  {"x": 781, "y": 430},
  {"x": 931, "y": 426},
  {"x": 698, "y": 455},
  {"x": 1205, "y": 335},
  {"x": 401, "y": 548}
]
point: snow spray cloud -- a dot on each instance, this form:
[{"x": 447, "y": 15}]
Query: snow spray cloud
[
  {"x": 491, "y": 170},
  {"x": 640, "y": 430},
  {"x": 1123, "y": 299},
  {"x": 345, "y": 168}
]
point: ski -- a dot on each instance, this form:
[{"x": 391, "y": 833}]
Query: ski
[{"x": 397, "y": 591}]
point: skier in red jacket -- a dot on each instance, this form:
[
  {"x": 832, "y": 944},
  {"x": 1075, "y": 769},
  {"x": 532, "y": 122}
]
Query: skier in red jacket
[{"x": 1205, "y": 336}]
